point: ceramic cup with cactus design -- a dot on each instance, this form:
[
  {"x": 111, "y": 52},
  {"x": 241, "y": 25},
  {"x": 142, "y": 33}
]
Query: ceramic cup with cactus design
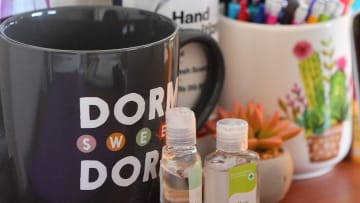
[{"x": 302, "y": 71}]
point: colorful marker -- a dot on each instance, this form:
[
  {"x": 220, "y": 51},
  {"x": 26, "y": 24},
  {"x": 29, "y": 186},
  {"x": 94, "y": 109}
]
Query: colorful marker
[
  {"x": 317, "y": 10},
  {"x": 253, "y": 10},
  {"x": 233, "y": 9},
  {"x": 338, "y": 10},
  {"x": 330, "y": 7},
  {"x": 260, "y": 15},
  {"x": 310, "y": 4},
  {"x": 346, "y": 4},
  {"x": 289, "y": 12},
  {"x": 267, "y": 6},
  {"x": 274, "y": 10},
  {"x": 243, "y": 13},
  {"x": 300, "y": 14}
]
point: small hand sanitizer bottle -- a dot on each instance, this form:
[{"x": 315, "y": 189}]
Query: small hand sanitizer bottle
[
  {"x": 180, "y": 165},
  {"x": 230, "y": 173}
]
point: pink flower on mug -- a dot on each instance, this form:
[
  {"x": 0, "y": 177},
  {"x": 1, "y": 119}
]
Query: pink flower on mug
[
  {"x": 341, "y": 63},
  {"x": 302, "y": 50}
]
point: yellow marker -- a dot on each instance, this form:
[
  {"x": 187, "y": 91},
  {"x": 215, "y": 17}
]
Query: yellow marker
[{"x": 355, "y": 152}]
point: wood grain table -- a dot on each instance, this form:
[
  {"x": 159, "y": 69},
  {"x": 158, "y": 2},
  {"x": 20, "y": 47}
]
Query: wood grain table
[{"x": 341, "y": 185}]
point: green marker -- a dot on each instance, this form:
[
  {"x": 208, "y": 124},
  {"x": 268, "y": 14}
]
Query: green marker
[{"x": 330, "y": 7}]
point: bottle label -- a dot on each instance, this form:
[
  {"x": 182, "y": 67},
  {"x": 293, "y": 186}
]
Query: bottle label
[
  {"x": 242, "y": 184},
  {"x": 195, "y": 183}
]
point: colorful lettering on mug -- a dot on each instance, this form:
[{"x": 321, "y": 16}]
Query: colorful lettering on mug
[
  {"x": 162, "y": 131},
  {"x": 115, "y": 142},
  {"x": 151, "y": 160},
  {"x": 86, "y": 143},
  {"x": 143, "y": 137},
  {"x": 155, "y": 107}
]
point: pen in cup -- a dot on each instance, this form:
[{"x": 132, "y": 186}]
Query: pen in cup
[
  {"x": 286, "y": 11},
  {"x": 273, "y": 12},
  {"x": 300, "y": 14},
  {"x": 243, "y": 14},
  {"x": 330, "y": 7},
  {"x": 260, "y": 15},
  {"x": 233, "y": 9},
  {"x": 317, "y": 10},
  {"x": 338, "y": 10},
  {"x": 289, "y": 11}
]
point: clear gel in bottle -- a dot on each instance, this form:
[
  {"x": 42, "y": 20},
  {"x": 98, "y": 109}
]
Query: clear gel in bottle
[
  {"x": 180, "y": 165},
  {"x": 230, "y": 173}
]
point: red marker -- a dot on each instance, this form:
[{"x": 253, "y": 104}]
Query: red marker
[
  {"x": 346, "y": 6},
  {"x": 243, "y": 13}
]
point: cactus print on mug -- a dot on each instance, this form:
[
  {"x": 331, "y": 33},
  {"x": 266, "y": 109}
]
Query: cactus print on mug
[{"x": 320, "y": 104}]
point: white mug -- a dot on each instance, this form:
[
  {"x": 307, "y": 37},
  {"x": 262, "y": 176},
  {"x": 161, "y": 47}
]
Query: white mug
[
  {"x": 199, "y": 14},
  {"x": 308, "y": 69}
]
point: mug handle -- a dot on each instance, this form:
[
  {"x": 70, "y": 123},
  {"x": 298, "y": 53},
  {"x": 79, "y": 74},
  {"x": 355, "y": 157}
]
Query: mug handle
[{"x": 215, "y": 73}]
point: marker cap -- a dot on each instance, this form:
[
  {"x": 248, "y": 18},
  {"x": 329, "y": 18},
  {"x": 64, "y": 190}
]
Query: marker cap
[{"x": 271, "y": 19}]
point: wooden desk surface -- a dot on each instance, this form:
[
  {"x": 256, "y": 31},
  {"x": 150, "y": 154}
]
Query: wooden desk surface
[{"x": 341, "y": 185}]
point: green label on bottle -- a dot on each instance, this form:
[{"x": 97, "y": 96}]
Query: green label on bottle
[
  {"x": 195, "y": 183},
  {"x": 242, "y": 183}
]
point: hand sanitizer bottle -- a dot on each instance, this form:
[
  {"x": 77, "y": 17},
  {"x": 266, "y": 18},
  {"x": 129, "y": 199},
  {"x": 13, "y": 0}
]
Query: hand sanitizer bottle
[
  {"x": 230, "y": 173},
  {"x": 180, "y": 165}
]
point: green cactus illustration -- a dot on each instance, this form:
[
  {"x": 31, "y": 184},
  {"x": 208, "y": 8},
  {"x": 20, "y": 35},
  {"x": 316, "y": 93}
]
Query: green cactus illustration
[
  {"x": 311, "y": 75},
  {"x": 313, "y": 121},
  {"x": 313, "y": 117},
  {"x": 338, "y": 103},
  {"x": 322, "y": 104}
]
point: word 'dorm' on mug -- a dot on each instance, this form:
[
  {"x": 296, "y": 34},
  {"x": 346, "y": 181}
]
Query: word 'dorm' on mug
[{"x": 156, "y": 99}]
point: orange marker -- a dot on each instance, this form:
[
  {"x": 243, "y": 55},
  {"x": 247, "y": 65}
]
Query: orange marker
[{"x": 317, "y": 10}]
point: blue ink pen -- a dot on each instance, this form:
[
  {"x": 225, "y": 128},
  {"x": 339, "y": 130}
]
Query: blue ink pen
[
  {"x": 260, "y": 15},
  {"x": 300, "y": 14},
  {"x": 330, "y": 7},
  {"x": 233, "y": 9},
  {"x": 317, "y": 9},
  {"x": 310, "y": 4},
  {"x": 273, "y": 13}
]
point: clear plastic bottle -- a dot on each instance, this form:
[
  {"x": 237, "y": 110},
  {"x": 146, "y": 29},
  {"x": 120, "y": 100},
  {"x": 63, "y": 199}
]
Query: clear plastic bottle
[
  {"x": 230, "y": 173},
  {"x": 180, "y": 165}
]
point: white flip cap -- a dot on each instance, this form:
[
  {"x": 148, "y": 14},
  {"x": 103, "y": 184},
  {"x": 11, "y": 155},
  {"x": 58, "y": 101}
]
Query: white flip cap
[
  {"x": 231, "y": 135},
  {"x": 180, "y": 127}
]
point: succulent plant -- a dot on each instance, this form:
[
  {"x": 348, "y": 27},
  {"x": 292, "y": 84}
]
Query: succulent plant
[{"x": 266, "y": 133}]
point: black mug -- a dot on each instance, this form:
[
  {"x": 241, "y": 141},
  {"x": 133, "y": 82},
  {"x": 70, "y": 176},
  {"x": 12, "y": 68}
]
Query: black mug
[{"x": 84, "y": 91}]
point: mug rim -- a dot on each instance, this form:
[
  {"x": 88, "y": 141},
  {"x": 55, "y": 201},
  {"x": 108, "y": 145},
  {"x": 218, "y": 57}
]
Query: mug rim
[{"x": 15, "y": 18}]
